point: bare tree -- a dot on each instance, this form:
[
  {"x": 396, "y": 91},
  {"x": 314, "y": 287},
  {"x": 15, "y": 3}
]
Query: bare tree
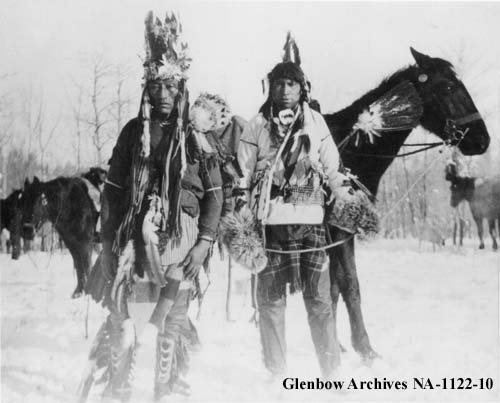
[
  {"x": 120, "y": 105},
  {"x": 409, "y": 200},
  {"x": 7, "y": 119},
  {"x": 29, "y": 121},
  {"x": 469, "y": 65},
  {"x": 44, "y": 136},
  {"x": 99, "y": 116},
  {"x": 77, "y": 115}
]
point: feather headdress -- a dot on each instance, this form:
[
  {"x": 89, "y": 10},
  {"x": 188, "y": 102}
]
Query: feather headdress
[
  {"x": 291, "y": 50},
  {"x": 166, "y": 57},
  {"x": 166, "y": 54},
  {"x": 289, "y": 68},
  {"x": 291, "y": 54}
]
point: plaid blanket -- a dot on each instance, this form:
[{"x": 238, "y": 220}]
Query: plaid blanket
[{"x": 301, "y": 270}]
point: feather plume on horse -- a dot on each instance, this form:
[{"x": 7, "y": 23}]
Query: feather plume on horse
[
  {"x": 240, "y": 235},
  {"x": 399, "y": 108}
]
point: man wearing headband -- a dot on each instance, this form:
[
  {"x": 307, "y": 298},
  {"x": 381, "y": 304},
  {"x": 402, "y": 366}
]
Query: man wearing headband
[{"x": 290, "y": 167}]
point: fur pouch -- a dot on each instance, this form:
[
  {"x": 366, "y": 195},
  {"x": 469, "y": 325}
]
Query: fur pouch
[
  {"x": 242, "y": 239},
  {"x": 353, "y": 212}
]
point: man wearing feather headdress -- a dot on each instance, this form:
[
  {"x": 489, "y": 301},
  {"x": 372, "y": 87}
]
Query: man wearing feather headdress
[
  {"x": 288, "y": 158},
  {"x": 162, "y": 205}
]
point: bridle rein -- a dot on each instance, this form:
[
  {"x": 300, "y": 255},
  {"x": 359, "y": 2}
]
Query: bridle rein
[{"x": 453, "y": 136}]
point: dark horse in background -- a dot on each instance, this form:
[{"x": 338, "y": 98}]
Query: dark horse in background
[
  {"x": 448, "y": 112},
  {"x": 11, "y": 220},
  {"x": 67, "y": 203},
  {"x": 483, "y": 196}
]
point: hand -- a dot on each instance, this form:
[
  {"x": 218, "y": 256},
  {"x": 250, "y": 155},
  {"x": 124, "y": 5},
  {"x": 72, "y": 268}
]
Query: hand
[
  {"x": 195, "y": 258},
  {"x": 342, "y": 194},
  {"x": 240, "y": 203}
]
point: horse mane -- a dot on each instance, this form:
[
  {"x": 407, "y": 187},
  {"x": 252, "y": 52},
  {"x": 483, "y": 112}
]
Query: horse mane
[
  {"x": 13, "y": 196},
  {"x": 347, "y": 116},
  {"x": 59, "y": 181}
]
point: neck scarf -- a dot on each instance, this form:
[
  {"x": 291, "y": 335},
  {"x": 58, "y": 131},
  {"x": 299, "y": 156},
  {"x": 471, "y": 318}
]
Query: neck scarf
[{"x": 289, "y": 120}]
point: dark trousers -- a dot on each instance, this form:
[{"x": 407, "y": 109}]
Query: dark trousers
[{"x": 321, "y": 324}]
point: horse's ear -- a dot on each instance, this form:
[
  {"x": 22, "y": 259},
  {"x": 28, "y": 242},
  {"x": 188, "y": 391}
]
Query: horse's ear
[
  {"x": 423, "y": 61},
  {"x": 36, "y": 181},
  {"x": 26, "y": 182}
]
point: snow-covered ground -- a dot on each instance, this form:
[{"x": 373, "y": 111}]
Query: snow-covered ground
[{"x": 429, "y": 314}]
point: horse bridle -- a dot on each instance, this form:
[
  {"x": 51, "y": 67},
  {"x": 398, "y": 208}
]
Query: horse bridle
[
  {"x": 454, "y": 134},
  {"x": 453, "y": 138}
]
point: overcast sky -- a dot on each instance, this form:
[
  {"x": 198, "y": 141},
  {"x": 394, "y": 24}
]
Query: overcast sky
[{"x": 346, "y": 48}]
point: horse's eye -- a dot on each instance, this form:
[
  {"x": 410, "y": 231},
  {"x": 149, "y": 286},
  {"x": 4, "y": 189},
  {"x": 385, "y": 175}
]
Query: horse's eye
[{"x": 445, "y": 87}]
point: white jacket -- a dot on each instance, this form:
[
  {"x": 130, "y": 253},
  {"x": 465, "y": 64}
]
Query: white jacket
[{"x": 256, "y": 151}]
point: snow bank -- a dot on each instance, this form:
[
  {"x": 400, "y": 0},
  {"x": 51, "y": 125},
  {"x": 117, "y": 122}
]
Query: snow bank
[{"x": 429, "y": 315}]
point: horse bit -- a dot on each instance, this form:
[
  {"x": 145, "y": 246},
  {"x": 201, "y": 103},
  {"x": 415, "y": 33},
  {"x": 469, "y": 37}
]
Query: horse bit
[{"x": 454, "y": 134}]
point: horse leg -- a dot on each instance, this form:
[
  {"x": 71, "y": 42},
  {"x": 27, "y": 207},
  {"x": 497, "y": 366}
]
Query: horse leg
[
  {"x": 335, "y": 293},
  {"x": 15, "y": 244},
  {"x": 479, "y": 223},
  {"x": 75, "y": 250},
  {"x": 347, "y": 280},
  {"x": 492, "y": 227},
  {"x": 461, "y": 231},
  {"x": 86, "y": 260}
]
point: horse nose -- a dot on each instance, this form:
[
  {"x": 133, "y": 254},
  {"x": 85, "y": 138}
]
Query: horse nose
[{"x": 477, "y": 139}]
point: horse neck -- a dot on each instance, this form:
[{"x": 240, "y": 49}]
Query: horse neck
[
  {"x": 7, "y": 209},
  {"x": 369, "y": 169},
  {"x": 3, "y": 214},
  {"x": 370, "y": 164},
  {"x": 54, "y": 192}
]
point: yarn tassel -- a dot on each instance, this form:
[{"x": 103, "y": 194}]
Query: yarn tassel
[
  {"x": 146, "y": 119},
  {"x": 182, "y": 143}
]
